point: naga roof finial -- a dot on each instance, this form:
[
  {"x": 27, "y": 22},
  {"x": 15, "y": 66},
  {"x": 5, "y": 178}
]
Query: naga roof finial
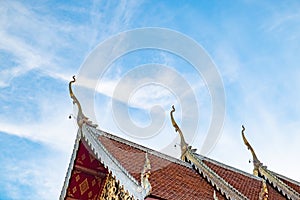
[
  {"x": 183, "y": 143},
  {"x": 256, "y": 162},
  {"x": 81, "y": 118}
]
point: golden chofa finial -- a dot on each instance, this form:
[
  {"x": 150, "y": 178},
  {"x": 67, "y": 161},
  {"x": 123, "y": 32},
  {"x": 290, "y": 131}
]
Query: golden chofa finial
[
  {"x": 81, "y": 118},
  {"x": 256, "y": 162},
  {"x": 183, "y": 144}
]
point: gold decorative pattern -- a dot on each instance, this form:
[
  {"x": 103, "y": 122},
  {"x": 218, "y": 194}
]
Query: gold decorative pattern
[
  {"x": 277, "y": 183},
  {"x": 77, "y": 178},
  {"x": 83, "y": 157},
  {"x": 84, "y": 186},
  {"x": 146, "y": 174},
  {"x": 92, "y": 158},
  {"x": 74, "y": 189},
  {"x": 264, "y": 194},
  {"x": 90, "y": 194},
  {"x": 114, "y": 191}
]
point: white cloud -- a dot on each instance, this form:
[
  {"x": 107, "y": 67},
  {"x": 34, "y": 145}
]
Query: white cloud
[
  {"x": 38, "y": 40},
  {"x": 58, "y": 132},
  {"x": 42, "y": 179},
  {"x": 31, "y": 38}
]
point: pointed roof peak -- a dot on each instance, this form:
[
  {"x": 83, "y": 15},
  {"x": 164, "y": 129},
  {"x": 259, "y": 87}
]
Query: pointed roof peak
[
  {"x": 261, "y": 170},
  {"x": 81, "y": 118},
  {"x": 256, "y": 162},
  {"x": 183, "y": 144}
]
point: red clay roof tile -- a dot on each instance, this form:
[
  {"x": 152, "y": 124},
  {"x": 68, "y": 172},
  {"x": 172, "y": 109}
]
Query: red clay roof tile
[
  {"x": 168, "y": 180},
  {"x": 174, "y": 179}
]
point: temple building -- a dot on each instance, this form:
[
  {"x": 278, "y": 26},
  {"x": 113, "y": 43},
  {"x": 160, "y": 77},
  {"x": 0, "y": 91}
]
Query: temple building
[{"x": 104, "y": 166}]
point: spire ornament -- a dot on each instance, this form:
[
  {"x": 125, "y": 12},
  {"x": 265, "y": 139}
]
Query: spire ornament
[
  {"x": 184, "y": 146},
  {"x": 81, "y": 118},
  {"x": 256, "y": 162}
]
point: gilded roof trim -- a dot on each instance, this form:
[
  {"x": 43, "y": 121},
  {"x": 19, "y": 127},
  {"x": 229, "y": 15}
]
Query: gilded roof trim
[
  {"x": 145, "y": 174},
  {"x": 261, "y": 170},
  {"x": 188, "y": 154},
  {"x": 130, "y": 184},
  {"x": 167, "y": 157},
  {"x": 216, "y": 181},
  {"x": 140, "y": 147},
  {"x": 230, "y": 168},
  {"x": 264, "y": 192},
  {"x": 286, "y": 190},
  {"x": 286, "y": 178}
]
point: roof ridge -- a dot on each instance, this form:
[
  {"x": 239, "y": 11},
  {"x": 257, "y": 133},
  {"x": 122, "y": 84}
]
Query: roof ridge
[
  {"x": 230, "y": 167},
  {"x": 89, "y": 137},
  {"x": 140, "y": 147},
  {"x": 286, "y": 178},
  {"x": 165, "y": 156},
  {"x": 214, "y": 178},
  {"x": 116, "y": 161},
  {"x": 170, "y": 158},
  {"x": 279, "y": 184}
]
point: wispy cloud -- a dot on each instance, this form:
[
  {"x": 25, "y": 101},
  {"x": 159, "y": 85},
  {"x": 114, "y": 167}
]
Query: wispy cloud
[
  {"x": 260, "y": 74},
  {"x": 29, "y": 169},
  {"x": 40, "y": 49},
  {"x": 25, "y": 36}
]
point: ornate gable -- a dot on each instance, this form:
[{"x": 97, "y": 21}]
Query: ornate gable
[{"x": 88, "y": 176}]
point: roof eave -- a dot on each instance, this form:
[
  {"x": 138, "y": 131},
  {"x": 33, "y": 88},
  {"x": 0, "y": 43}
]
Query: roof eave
[{"x": 102, "y": 154}]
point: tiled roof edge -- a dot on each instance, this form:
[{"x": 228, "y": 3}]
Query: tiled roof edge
[
  {"x": 214, "y": 178},
  {"x": 172, "y": 159},
  {"x": 279, "y": 184},
  {"x": 286, "y": 178},
  {"x": 140, "y": 147},
  {"x": 230, "y": 168},
  {"x": 132, "y": 185}
]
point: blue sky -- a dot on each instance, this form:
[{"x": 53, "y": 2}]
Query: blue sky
[{"x": 254, "y": 44}]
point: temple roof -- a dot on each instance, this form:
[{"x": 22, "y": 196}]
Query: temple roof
[
  {"x": 170, "y": 178},
  {"x": 139, "y": 172}
]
